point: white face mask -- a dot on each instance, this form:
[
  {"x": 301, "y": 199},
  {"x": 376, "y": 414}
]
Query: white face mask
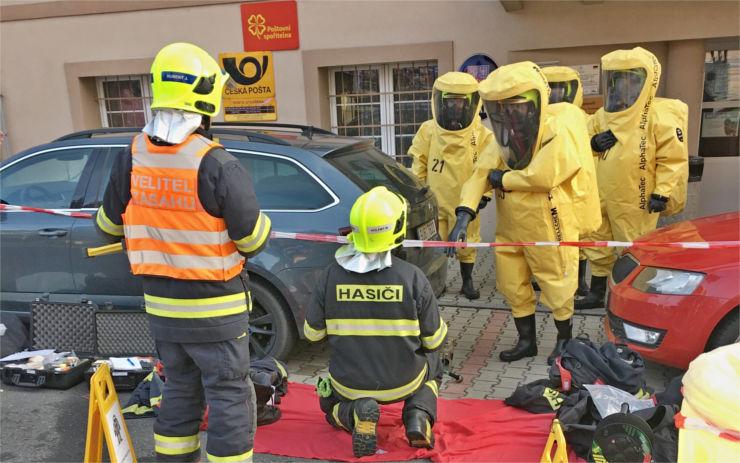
[
  {"x": 173, "y": 125},
  {"x": 359, "y": 262}
]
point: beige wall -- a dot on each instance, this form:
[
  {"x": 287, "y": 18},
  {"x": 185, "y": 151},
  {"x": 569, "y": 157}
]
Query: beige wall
[
  {"x": 47, "y": 64},
  {"x": 43, "y": 97}
]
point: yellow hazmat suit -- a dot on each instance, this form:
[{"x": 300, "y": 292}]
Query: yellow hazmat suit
[
  {"x": 566, "y": 95},
  {"x": 444, "y": 159},
  {"x": 534, "y": 204},
  {"x": 585, "y": 192},
  {"x": 649, "y": 157}
]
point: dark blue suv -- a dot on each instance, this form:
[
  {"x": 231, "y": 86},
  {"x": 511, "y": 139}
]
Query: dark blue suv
[{"x": 306, "y": 180}]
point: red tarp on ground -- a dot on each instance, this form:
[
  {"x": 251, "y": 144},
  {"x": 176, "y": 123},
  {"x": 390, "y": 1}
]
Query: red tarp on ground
[{"x": 468, "y": 430}]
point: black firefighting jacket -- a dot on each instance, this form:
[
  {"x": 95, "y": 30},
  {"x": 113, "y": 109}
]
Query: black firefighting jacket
[
  {"x": 379, "y": 324},
  {"x": 225, "y": 190}
]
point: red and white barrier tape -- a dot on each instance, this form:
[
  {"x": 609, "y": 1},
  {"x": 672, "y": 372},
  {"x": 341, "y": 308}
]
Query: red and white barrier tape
[
  {"x": 80, "y": 215},
  {"x": 445, "y": 244},
  {"x": 580, "y": 244}
]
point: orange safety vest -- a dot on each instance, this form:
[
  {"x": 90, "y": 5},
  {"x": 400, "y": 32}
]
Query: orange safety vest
[{"x": 168, "y": 233}]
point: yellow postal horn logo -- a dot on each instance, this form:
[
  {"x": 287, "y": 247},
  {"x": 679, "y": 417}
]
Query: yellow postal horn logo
[{"x": 257, "y": 25}]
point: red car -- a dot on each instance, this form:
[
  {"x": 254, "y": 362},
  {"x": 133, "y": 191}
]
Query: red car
[{"x": 672, "y": 304}]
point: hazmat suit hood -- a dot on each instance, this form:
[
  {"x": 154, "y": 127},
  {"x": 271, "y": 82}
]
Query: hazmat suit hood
[
  {"x": 565, "y": 84},
  {"x": 622, "y": 122},
  {"x": 452, "y": 119},
  {"x": 518, "y": 140}
]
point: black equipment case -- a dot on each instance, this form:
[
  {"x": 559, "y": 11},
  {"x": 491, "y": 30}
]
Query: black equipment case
[
  {"x": 84, "y": 330},
  {"x": 64, "y": 327},
  {"x": 124, "y": 333}
]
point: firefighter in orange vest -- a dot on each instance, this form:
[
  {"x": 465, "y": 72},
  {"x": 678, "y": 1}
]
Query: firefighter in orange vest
[{"x": 188, "y": 212}]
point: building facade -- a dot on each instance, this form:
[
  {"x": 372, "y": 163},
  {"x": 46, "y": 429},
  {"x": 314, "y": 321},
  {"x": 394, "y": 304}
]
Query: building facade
[{"x": 366, "y": 67}]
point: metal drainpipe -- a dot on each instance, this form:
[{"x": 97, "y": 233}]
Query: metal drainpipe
[{"x": 6, "y": 146}]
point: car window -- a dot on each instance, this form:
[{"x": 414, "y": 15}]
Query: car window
[
  {"x": 281, "y": 184},
  {"x": 47, "y": 180},
  {"x": 369, "y": 167}
]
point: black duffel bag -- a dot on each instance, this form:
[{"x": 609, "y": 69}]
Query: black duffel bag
[{"x": 583, "y": 362}]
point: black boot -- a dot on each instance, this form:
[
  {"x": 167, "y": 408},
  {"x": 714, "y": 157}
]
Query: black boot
[
  {"x": 527, "y": 345},
  {"x": 419, "y": 429},
  {"x": 582, "y": 285},
  {"x": 595, "y": 297},
  {"x": 466, "y": 271},
  {"x": 364, "y": 434},
  {"x": 565, "y": 333},
  {"x": 267, "y": 414}
]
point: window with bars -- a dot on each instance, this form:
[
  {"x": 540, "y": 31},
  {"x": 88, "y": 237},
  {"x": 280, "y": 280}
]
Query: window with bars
[
  {"x": 124, "y": 100},
  {"x": 386, "y": 102}
]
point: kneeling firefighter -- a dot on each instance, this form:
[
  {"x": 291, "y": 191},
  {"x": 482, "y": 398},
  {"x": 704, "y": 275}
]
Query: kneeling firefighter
[
  {"x": 445, "y": 150},
  {"x": 566, "y": 97},
  {"x": 531, "y": 166},
  {"x": 384, "y": 328}
]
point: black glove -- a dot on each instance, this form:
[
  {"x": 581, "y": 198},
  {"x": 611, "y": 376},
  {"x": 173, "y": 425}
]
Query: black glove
[
  {"x": 603, "y": 141},
  {"x": 657, "y": 203},
  {"x": 483, "y": 202},
  {"x": 460, "y": 230},
  {"x": 496, "y": 177}
]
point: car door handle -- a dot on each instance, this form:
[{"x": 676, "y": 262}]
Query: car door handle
[{"x": 52, "y": 232}]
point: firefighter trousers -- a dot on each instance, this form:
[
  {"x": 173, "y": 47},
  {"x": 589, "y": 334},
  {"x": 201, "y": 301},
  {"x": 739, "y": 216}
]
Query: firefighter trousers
[
  {"x": 213, "y": 373},
  {"x": 339, "y": 410}
]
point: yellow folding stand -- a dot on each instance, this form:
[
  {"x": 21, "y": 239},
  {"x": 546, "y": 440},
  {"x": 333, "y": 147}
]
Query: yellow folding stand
[
  {"x": 104, "y": 418},
  {"x": 556, "y": 437}
]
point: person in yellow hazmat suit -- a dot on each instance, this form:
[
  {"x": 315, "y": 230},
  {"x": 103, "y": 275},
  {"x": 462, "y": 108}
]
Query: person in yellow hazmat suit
[
  {"x": 531, "y": 167},
  {"x": 565, "y": 87},
  {"x": 642, "y": 166},
  {"x": 445, "y": 150}
]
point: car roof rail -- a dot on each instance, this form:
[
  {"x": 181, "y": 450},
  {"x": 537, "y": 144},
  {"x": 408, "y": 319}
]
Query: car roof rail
[
  {"x": 306, "y": 130},
  {"x": 91, "y": 132},
  {"x": 251, "y": 136}
]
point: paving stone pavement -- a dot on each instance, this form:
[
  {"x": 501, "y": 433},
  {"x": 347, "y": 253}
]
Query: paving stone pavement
[{"x": 482, "y": 328}]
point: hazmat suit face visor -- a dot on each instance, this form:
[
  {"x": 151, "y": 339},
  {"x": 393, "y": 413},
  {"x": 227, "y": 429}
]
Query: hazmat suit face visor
[
  {"x": 563, "y": 91},
  {"x": 454, "y": 111},
  {"x": 516, "y": 123},
  {"x": 622, "y": 88}
]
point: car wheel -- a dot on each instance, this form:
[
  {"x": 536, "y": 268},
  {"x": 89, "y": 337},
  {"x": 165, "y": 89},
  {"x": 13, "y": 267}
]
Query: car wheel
[
  {"x": 271, "y": 331},
  {"x": 726, "y": 332}
]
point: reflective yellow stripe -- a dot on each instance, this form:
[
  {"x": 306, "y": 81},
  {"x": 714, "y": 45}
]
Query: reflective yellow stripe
[
  {"x": 176, "y": 445},
  {"x": 136, "y": 409},
  {"x": 335, "y": 415},
  {"x": 381, "y": 395},
  {"x": 369, "y": 293},
  {"x": 312, "y": 334},
  {"x": 432, "y": 384},
  {"x": 435, "y": 340},
  {"x": 280, "y": 367},
  {"x": 260, "y": 233},
  {"x": 106, "y": 225},
  {"x": 372, "y": 327},
  {"x": 196, "y": 308},
  {"x": 171, "y": 235},
  {"x": 245, "y": 457},
  {"x": 180, "y": 261}
]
